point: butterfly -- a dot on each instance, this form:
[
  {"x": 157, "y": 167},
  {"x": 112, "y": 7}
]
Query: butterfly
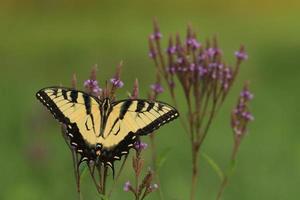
[{"x": 104, "y": 130}]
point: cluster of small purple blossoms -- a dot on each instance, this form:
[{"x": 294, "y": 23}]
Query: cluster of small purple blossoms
[
  {"x": 127, "y": 186},
  {"x": 117, "y": 82},
  {"x": 144, "y": 188},
  {"x": 194, "y": 64},
  {"x": 193, "y": 43},
  {"x": 241, "y": 54},
  {"x": 92, "y": 87},
  {"x": 156, "y": 35},
  {"x": 241, "y": 115},
  {"x": 157, "y": 88},
  {"x": 139, "y": 145}
]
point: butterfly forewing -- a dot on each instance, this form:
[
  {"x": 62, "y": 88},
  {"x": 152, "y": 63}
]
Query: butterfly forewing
[{"x": 74, "y": 109}]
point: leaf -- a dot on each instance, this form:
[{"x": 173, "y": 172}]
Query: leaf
[
  {"x": 161, "y": 158},
  {"x": 213, "y": 165}
]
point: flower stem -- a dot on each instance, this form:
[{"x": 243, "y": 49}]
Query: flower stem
[
  {"x": 195, "y": 172},
  {"x": 222, "y": 188},
  {"x": 225, "y": 181}
]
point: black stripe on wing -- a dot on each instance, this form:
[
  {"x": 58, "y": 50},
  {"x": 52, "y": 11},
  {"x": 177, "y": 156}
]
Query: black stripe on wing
[
  {"x": 52, "y": 107},
  {"x": 146, "y": 107},
  {"x": 110, "y": 156},
  {"x": 163, "y": 119}
]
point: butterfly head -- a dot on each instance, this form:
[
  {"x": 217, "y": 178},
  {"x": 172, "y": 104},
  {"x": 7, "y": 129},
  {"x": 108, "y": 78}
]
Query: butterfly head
[{"x": 98, "y": 148}]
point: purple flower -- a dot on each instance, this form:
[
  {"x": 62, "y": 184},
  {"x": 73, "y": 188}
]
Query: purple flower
[
  {"x": 127, "y": 186},
  {"x": 241, "y": 115},
  {"x": 138, "y": 145},
  {"x": 171, "y": 70},
  {"x": 213, "y": 65},
  {"x": 247, "y": 116},
  {"x": 182, "y": 69},
  {"x": 171, "y": 50},
  {"x": 202, "y": 57},
  {"x": 156, "y": 36},
  {"x": 157, "y": 88},
  {"x": 193, "y": 43},
  {"x": 192, "y": 67},
  {"x": 211, "y": 52},
  {"x": 241, "y": 55},
  {"x": 152, "y": 54},
  {"x": 228, "y": 73},
  {"x": 117, "y": 82},
  {"x": 90, "y": 83},
  {"x": 92, "y": 86},
  {"x": 202, "y": 71},
  {"x": 246, "y": 94}
]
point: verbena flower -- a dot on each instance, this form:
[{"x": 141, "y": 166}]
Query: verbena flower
[
  {"x": 156, "y": 35},
  {"x": 241, "y": 54},
  {"x": 139, "y": 145},
  {"x": 92, "y": 86},
  {"x": 127, "y": 186},
  {"x": 117, "y": 82},
  {"x": 171, "y": 50},
  {"x": 246, "y": 94},
  {"x": 241, "y": 114},
  {"x": 157, "y": 88}
]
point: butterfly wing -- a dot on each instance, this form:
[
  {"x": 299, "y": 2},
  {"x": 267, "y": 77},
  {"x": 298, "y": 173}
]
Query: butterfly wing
[
  {"x": 131, "y": 118},
  {"x": 80, "y": 114}
]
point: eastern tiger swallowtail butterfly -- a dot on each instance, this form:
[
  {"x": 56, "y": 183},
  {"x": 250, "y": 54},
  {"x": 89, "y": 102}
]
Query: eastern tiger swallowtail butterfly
[{"x": 104, "y": 130}]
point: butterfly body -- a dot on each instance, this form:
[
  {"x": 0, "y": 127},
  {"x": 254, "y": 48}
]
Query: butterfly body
[{"x": 104, "y": 130}]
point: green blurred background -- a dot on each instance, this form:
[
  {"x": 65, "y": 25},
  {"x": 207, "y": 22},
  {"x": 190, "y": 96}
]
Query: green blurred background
[{"x": 43, "y": 43}]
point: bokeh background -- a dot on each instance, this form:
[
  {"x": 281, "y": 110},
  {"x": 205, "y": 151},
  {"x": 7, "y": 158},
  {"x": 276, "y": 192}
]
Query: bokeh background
[{"x": 43, "y": 43}]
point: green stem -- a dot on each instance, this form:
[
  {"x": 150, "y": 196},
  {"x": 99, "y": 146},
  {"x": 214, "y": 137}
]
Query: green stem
[
  {"x": 195, "y": 173},
  {"x": 232, "y": 165}
]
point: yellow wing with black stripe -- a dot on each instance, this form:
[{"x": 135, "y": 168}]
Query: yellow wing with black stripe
[
  {"x": 78, "y": 111},
  {"x": 139, "y": 117}
]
